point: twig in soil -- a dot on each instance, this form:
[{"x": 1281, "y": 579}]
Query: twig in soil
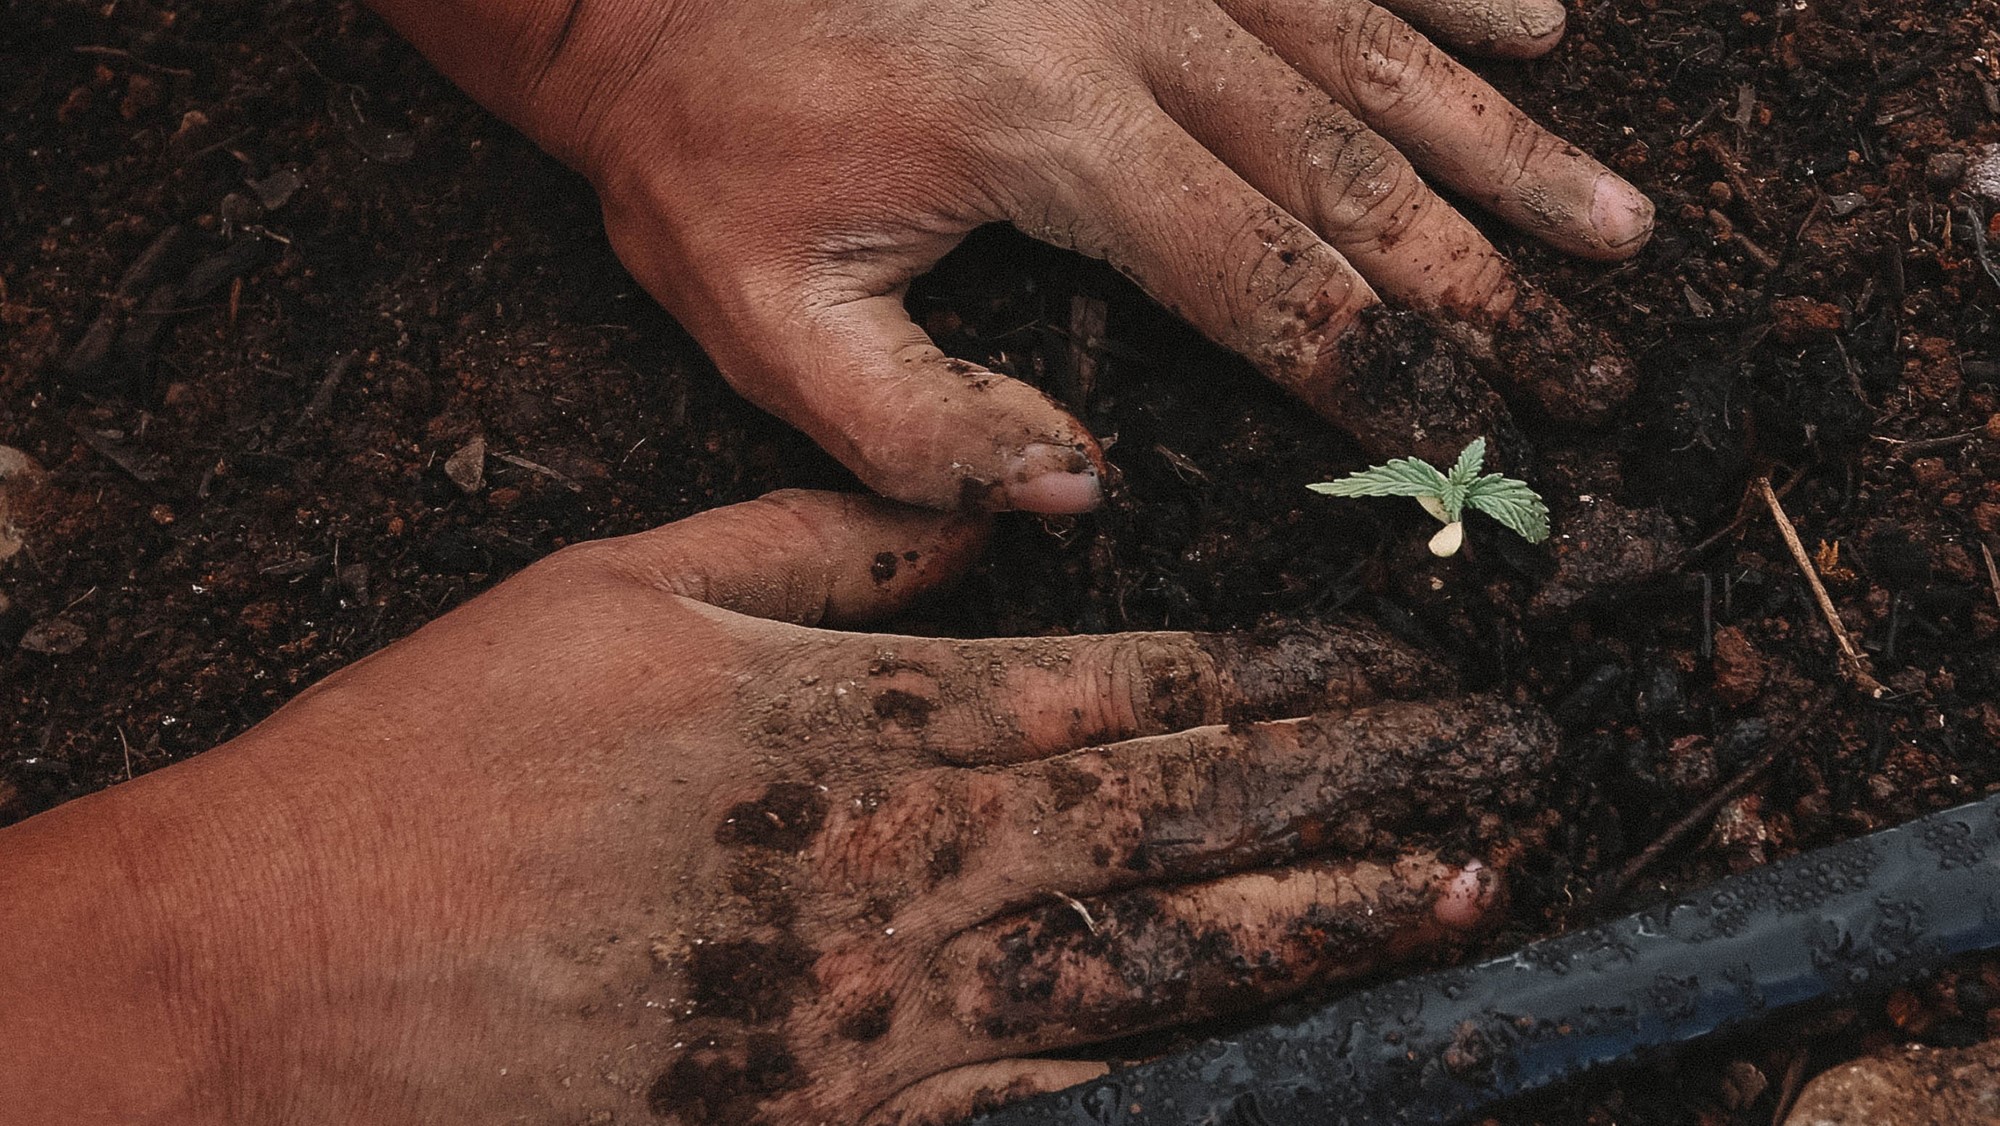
[
  {"x": 1742, "y": 517},
  {"x": 566, "y": 481},
  {"x": 1726, "y": 231},
  {"x": 122, "y": 53},
  {"x": 1906, "y": 447},
  {"x": 1706, "y": 810},
  {"x": 1978, "y": 228},
  {"x": 1992, "y": 573},
  {"x": 1853, "y": 661}
]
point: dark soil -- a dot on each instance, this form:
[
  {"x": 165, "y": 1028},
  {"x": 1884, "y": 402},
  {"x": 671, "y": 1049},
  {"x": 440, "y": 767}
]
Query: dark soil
[{"x": 247, "y": 425}]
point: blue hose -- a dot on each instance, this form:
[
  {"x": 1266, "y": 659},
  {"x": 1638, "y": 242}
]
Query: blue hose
[{"x": 1854, "y": 918}]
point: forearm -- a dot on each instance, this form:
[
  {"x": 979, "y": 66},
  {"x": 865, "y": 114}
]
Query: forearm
[{"x": 88, "y": 986}]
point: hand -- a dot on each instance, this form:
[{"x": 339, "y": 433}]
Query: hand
[
  {"x": 776, "y": 172},
  {"x": 615, "y": 838}
]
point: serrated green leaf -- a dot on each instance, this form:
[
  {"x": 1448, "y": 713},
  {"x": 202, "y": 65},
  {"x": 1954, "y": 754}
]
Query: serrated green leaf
[
  {"x": 1512, "y": 503},
  {"x": 1453, "y": 500},
  {"x": 1403, "y": 477},
  {"x": 1466, "y": 470}
]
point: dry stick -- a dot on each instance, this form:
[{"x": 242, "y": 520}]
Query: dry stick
[
  {"x": 1705, "y": 811},
  {"x": 1853, "y": 662},
  {"x": 1992, "y": 572},
  {"x": 1742, "y": 516},
  {"x": 1904, "y": 447}
]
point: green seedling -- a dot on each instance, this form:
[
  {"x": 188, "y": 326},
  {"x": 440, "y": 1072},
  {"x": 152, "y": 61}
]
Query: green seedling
[{"x": 1447, "y": 495}]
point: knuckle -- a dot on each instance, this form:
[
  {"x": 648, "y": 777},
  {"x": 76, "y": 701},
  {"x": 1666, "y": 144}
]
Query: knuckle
[
  {"x": 1164, "y": 683},
  {"x": 1286, "y": 264},
  {"x": 1394, "y": 65}
]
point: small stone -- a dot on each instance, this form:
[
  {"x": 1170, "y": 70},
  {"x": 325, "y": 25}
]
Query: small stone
[
  {"x": 1914, "y": 1084},
  {"x": 277, "y": 189},
  {"x": 1983, "y": 174},
  {"x": 1740, "y": 670},
  {"x": 57, "y": 636},
  {"x": 1742, "y": 833},
  {"x": 1943, "y": 169},
  {"x": 19, "y": 474},
  {"x": 1845, "y": 204},
  {"x": 467, "y": 467}
]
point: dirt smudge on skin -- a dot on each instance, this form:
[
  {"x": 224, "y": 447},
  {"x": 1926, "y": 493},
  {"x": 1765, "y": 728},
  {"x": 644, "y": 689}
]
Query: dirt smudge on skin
[
  {"x": 1303, "y": 669},
  {"x": 1069, "y": 786},
  {"x": 884, "y": 567},
  {"x": 906, "y": 710},
  {"x": 748, "y": 980},
  {"x": 1282, "y": 789},
  {"x": 1572, "y": 370},
  {"x": 945, "y": 862},
  {"x": 711, "y": 1085},
  {"x": 870, "y": 1022},
  {"x": 1403, "y": 388},
  {"x": 784, "y": 819},
  {"x": 765, "y": 892},
  {"x": 1155, "y": 956}
]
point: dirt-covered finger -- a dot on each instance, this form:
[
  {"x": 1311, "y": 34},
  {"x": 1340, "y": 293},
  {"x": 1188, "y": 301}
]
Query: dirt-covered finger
[
  {"x": 1300, "y": 147},
  {"x": 1457, "y": 128},
  {"x": 1508, "y": 29},
  {"x": 953, "y": 1096},
  {"x": 1011, "y": 700},
  {"x": 1192, "y": 805},
  {"x": 1073, "y": 972},
  {"x": 1256, "y": 279},
  {"x": 801, "y": 556}
]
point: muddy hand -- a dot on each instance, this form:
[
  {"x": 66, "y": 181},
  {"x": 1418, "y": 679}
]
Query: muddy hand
[
  {"x": 626, "y": 836},
  {"x": 776, "y": 173}
]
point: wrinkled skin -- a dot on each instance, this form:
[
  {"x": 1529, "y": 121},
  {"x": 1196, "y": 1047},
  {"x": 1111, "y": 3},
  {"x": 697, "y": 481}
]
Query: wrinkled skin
[
  {"x": 775, "y": 172},
  {"x": 627, "y": 836}
]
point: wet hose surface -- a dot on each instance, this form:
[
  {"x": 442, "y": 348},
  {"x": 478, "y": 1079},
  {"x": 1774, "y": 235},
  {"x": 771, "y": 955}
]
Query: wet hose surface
[{"x": 1849, "y": 919}]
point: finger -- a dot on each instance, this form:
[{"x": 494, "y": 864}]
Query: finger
[
  {"x": 1076, "y": 972},
  {"x": 1301, "y": 148},
  {"x": 1458, "y": 128},
  {"x": 802, "y": 556},
  {"x": 831, "y": 350},
  {"x": 953, "y": 1096},
  {"x": 1508, "y": 29},
  {"x": 1190, "y": 805},
  {"x": 1143, "y": 194},
  {"x": 979, "y": 702}
]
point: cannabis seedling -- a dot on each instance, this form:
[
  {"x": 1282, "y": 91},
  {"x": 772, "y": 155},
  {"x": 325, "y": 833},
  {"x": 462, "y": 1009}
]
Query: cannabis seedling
[{"x": 1447, "y": 495}]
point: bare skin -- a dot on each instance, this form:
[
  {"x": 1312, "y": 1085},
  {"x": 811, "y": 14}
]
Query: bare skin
[
  {"x": 775, "y": 172},
  {"x": 629, "y": 838}
]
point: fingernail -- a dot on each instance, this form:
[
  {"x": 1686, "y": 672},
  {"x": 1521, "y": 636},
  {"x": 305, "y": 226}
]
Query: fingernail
[
  {"x": 1053, "y": 480},
  {"x": 1622, "y": 215},
  {"x": 1541, "y": 18}
]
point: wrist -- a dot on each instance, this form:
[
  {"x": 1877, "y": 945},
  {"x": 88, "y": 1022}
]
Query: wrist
[
  {"x": 97, "y": 1018},
  {"x": 554, "y": 69}
]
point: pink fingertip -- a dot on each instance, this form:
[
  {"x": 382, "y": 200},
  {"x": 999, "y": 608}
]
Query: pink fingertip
[
  {"x": 1466, "y": 898},
  {"x": 1054, "y": 481}
]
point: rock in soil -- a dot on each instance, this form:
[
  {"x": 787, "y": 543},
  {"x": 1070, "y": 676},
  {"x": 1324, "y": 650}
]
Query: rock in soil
[
  {"x": 18, "y": 474},
  {"x": 1910, "y": 1086}
]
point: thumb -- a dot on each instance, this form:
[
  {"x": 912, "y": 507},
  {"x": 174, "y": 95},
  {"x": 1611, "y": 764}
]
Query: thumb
[
  {"x": 825, "y": 344},
  {"x": 914, "y": 424},
  {"x": 805, "y": 557}
]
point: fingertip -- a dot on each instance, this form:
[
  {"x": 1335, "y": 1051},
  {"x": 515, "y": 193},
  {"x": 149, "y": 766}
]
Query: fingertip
[
  {"x": 1538, "y": 27},
  {"x": 1621, "y": 216},
  {"x": 1468, "y": 896},
  {"x": 1054, "y": 480}
]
